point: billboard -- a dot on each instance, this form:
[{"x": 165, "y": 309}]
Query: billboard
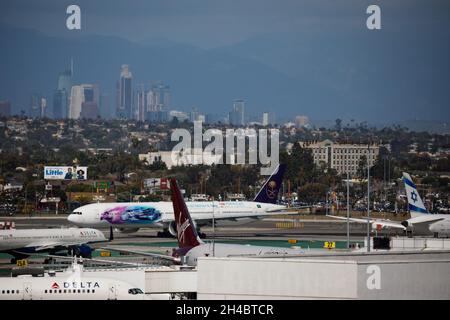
[
  {"x": 160, "y": 183},
  {"x": 65, "y": 173}
]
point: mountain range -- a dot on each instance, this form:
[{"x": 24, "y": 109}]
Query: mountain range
[{"x": 362, "y": 75}]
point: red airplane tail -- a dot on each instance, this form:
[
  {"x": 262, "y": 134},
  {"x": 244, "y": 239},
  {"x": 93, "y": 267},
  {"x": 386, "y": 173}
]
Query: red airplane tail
[{"x": 186, "y": 231}]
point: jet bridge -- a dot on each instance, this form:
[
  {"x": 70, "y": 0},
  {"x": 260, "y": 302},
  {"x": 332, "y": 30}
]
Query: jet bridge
[{"x": 171, "y": 280}]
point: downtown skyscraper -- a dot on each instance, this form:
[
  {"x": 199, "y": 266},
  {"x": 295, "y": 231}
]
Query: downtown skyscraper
[
  {"x": 158, "y": 103},
  {"x": 61, "y": 95},
  {"x": 84, "y": 101},
  {"x": 236, "y": 115},
  {"x": 141, "y": 103},
  {"x": 125, "y": 94},
  {"x": 38, "y": 106}
]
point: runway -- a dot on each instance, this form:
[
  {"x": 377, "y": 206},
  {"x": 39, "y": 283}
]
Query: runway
[
  {"x": 305, "y": 233},
  {"x": 269, "y": 227}
]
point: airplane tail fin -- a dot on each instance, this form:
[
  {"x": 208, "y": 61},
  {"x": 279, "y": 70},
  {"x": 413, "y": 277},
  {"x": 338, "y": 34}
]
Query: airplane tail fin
[
  {"x": 415, "y": 203},
  {"x": 186, "y": 231},
  {"x": 270, "y": 189}
]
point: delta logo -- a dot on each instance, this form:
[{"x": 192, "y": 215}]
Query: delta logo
[{"x": 55, "y": 285}]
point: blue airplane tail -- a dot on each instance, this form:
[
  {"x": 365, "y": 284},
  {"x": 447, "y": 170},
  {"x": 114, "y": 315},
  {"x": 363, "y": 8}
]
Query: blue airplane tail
[
  {"x": 271, "y": 188},
  {"x": 415, "y": 203}
]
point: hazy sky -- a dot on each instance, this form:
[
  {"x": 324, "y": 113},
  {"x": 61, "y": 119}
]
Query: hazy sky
[
  {"x": 307, "y": 49},
  {"x": 211, "y": 23}
]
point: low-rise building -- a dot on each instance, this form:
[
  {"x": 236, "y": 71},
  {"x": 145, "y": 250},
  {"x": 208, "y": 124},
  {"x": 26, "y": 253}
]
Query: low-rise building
[
  {"x": 186, "y": 158},
  {"x": 342, "y": 157}
]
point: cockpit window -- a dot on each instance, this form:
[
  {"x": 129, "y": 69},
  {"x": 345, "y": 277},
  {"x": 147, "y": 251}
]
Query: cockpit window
[
  {"x": 77, "y": 212},
  {"x": 135, "y": 291}
]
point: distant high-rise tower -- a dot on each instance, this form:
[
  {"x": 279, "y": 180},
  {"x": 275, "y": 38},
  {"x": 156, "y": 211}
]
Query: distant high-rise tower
[
  {"x": 125, "y": 94},
  {"x": 194, "y": 114},
  {"x": 43, "y": 108},
  {"x": 38, "y": 106},
  {"x": 35, "y": 111},
  {"x": 5, "y": 108},
  {"x": 62, "y": 93},
  {"x": 236, "y": 115},
  {"x": 141, "y": 103},
  {"x": 158, "y": 103},
  {"x": 265, "y": 119},
  {"x": 87, "y": 96}
]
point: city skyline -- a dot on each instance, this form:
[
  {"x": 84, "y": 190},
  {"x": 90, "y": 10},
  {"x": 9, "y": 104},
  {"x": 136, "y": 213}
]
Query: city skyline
[{"x": 322, "y": 62}]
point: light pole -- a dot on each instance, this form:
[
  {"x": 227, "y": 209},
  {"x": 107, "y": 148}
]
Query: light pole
[
  {"x": 348, "y": 210},
  {"x": 384, "y": 176},
  {"x": 26, "y": 202},
  {"x": 368, "y": 199},
  {"x": 214, "y": 231}
]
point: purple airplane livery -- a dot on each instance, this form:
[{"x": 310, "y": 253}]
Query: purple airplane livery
[{"x": 131, "y": 214}]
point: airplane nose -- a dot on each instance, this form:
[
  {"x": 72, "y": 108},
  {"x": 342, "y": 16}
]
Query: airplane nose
[{"x": 72, "y": 218}]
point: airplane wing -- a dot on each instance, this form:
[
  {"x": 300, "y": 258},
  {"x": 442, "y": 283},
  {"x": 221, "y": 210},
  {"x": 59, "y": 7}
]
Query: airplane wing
[
  {"x": 289, "y": 210},
  {"x": 426, "y": 219},
  {"x": 235, "y": 216},
  {"x": 142, "y": 253},
  {"x": 93, "y": 260},
  {"x": 374, "y": 222},
  {"x": 46, "y": 246},
  {"x": 53, "y": 245}
]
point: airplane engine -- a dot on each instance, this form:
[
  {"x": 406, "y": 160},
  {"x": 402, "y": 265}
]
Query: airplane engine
[
  {"x": 173, "y": 229},
  {"x": 81, "y": 251},
  {"x": 126, "y": 230}
]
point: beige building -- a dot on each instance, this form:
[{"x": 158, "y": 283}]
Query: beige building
[{"x": 341, "y": 157}]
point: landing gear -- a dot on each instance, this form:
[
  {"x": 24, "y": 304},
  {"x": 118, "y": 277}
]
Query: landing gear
[
  {"x": 74, "y": 251},
  {"x": 49, "y": 261},
  {"x": 13, "y": 261},
  {"x": 164, "y": 234},
  {"x": 82, "y": 251}
]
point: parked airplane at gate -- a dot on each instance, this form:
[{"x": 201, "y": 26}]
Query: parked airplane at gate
[
  {"x": 129, "y": 217},
  {"x": 69, "y": 285},
  {"x": 191, "y": 247},
  {"x": 21, "y": 243},
  {"x": 421, "y": 221}
]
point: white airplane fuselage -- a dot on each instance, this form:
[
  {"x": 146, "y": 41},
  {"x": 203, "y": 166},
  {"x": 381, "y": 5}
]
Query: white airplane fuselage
[
  {"x": 67, "y": 286},
  {"x": 13, "y": 239},
  {"x": 429, "y": 224},
  {"x": 227, "y": 250},
  {"x": 160, "y": 214}
]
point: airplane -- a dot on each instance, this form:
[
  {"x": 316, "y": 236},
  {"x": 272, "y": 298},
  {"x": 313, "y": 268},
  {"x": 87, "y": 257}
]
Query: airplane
[
  {"x": 129, "y": 217},
  {"x": 421, "y": 221},
  {"x": 21, "y": 243},
  {"x": 191, "y": 247},
  {"x": 69, "y": 285}
]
